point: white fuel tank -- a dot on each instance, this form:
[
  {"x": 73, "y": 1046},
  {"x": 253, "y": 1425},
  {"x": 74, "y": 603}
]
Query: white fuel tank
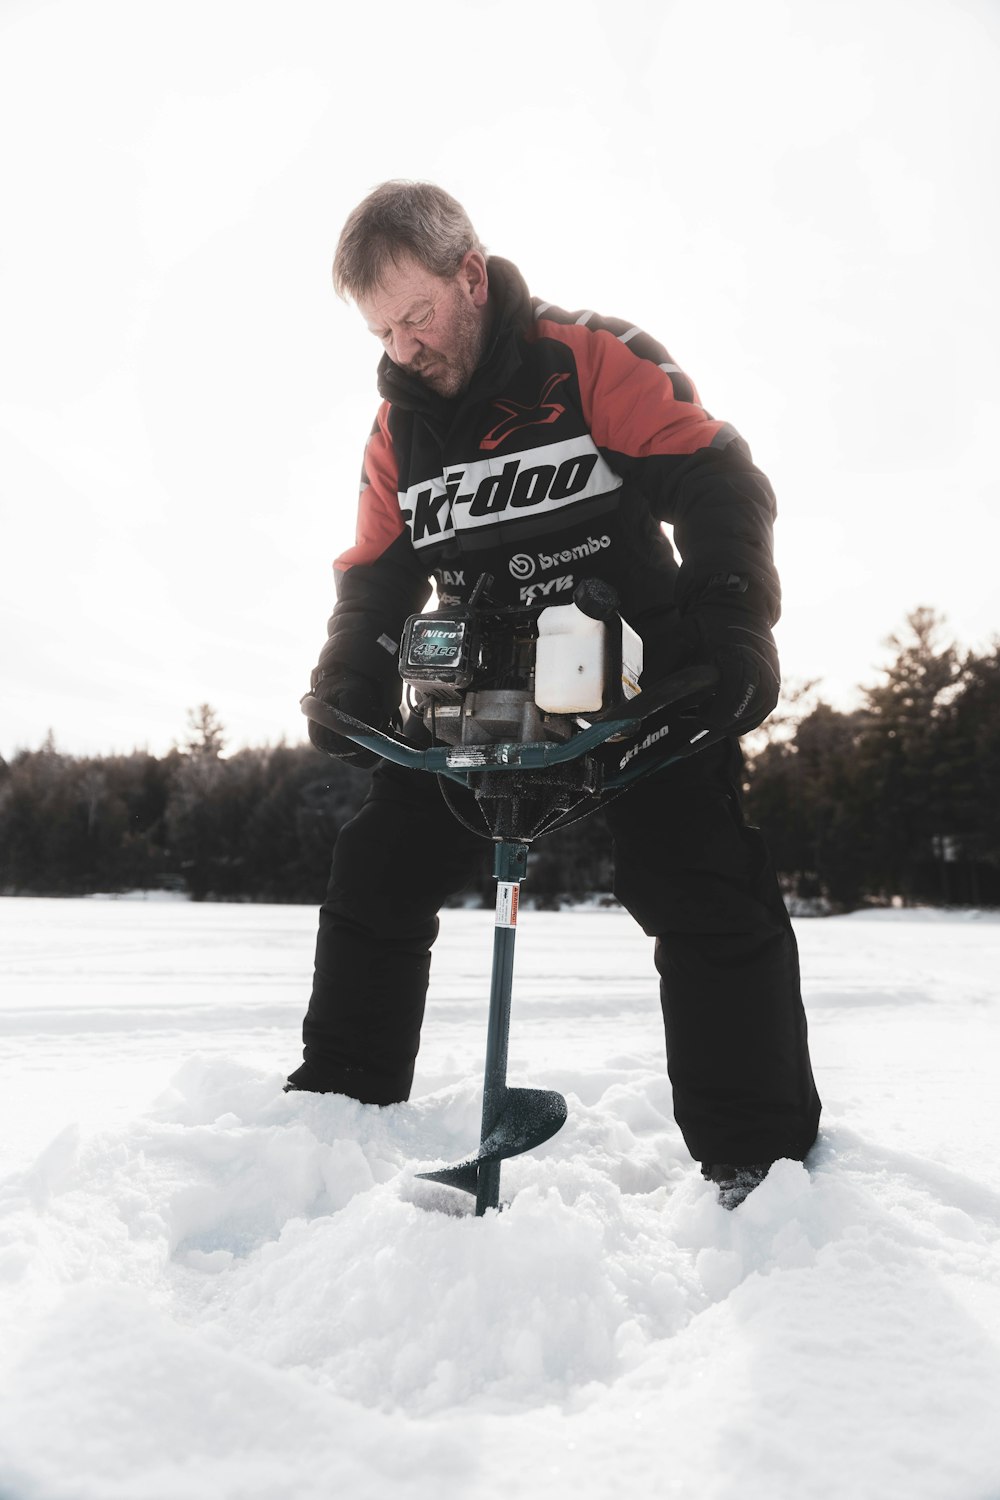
[{"x": 584, "y": 665}]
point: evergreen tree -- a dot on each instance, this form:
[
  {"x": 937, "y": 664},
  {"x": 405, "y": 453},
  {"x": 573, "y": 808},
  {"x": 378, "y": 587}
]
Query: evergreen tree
[
  {"x": 806, "y": 793},
  {"x": 906, "y": 759},
  {"x": 975, "y": 778}
]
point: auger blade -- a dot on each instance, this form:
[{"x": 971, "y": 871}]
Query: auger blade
[{"x": 527, "y": 1118}]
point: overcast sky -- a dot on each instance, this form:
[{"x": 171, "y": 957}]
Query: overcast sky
[{"x": 799, "y": 199}]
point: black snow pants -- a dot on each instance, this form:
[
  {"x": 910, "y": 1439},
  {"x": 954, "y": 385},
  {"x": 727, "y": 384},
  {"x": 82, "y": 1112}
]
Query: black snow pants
[{"x": 689, "y": 870}]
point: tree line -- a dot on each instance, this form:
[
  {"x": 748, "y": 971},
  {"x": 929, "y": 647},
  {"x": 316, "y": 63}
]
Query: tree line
[
  {"x": 894, "y": 800},
  {"x": 900, "y": 798}
]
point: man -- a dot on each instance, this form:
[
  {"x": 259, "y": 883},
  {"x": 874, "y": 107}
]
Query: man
[{"x": 513, "y": 436}]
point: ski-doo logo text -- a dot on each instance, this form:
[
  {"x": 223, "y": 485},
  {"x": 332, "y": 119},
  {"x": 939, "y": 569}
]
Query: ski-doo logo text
[
  {"x": 651, "y": 739},
  {"x": 484, "y": 493},
  {"x": 514, "y": 485}
]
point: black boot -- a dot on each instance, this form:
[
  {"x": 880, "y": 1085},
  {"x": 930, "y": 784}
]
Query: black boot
[
  {"x": 735, "y": 1183},
  {"x": 306, "y": 1080}
]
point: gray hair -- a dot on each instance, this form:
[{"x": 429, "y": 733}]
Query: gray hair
[{"x": 398, "y": 219}]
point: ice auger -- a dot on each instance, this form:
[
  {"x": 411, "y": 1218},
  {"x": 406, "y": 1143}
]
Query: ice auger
[{"x": 539, "y": 712}]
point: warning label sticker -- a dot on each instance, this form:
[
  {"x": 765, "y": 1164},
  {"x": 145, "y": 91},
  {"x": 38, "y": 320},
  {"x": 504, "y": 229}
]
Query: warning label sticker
[{"x": 507, "y": 903}]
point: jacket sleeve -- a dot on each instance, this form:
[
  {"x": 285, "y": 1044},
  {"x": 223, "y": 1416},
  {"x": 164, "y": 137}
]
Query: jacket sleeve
[
  {"x": 379, "y": 580},
  {"x": 695, "y": 473}
]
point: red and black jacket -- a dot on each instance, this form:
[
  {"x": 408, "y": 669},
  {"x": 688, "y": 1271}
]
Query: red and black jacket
[{"x": 575, "y": 439}]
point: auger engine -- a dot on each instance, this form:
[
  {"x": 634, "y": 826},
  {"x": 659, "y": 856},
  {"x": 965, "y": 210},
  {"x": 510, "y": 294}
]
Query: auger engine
[{"x": 486, "y": 673}]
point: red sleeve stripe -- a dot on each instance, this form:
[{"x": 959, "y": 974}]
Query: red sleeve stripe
[
  {"x": 380, "y": 519},
  {"x": 630, "y": 403}
]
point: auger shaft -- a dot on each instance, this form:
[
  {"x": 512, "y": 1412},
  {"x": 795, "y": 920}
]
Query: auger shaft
[{"x": 509, "y": 867}]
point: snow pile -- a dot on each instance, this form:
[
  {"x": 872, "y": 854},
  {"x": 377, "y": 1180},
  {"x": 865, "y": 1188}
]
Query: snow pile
[{"x": 237, "y": 1293}]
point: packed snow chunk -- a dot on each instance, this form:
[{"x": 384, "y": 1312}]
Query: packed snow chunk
[
  {"x": 136, "y": 1408},
  {"x": 94, "y": 1218},
  {"x": 627, "y": 1134},
  {"x": 257, "y": 1158},
  {"x": 720, "y": 1271},
  {"x": 206, "y": 1090},
  {"x": 397, "y": 1307},
  {"x": 251, "y": 1183},
  {"x": 53, "y": 1169},
  {"x": 346, "y": 1171},
  {"x": 809, "y": 1325}
]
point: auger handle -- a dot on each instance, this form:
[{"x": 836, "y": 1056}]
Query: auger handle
[{"x": 456, "y": 761}]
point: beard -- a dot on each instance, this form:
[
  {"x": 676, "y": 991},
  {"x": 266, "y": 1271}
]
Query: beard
[{"x": 449, "y": 374}]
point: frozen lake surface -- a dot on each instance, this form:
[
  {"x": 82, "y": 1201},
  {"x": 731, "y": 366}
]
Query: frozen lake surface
[{"x": 210, "y": 1288}]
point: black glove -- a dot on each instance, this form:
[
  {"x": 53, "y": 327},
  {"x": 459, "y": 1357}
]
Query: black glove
[
  {"x": 355, "y": 695},
  {"x": 734, "y": 634}
]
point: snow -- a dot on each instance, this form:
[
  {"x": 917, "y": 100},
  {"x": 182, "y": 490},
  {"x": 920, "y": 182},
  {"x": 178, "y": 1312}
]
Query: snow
[{"x": 209, "y": 1288}]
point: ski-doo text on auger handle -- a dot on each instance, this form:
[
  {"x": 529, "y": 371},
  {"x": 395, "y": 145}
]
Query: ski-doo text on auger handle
[{"x": 540, "y": 713}]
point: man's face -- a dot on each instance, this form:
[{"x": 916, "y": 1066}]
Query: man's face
[{"x": 431, "y": 326}]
